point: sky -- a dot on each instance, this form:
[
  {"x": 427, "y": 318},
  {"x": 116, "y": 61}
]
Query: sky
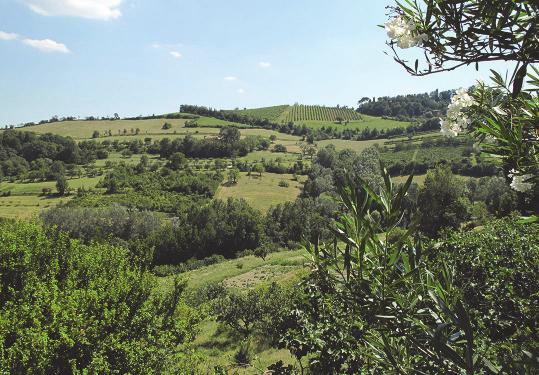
[{"x": 140, "y": 57}]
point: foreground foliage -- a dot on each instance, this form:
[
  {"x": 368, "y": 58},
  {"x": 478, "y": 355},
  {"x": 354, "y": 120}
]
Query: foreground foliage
[
  {"x": 393, "y": 304},
  {"x": 68, "y": 308}
]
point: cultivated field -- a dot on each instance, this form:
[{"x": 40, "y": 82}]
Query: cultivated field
[{"x": 314, "y": 116}]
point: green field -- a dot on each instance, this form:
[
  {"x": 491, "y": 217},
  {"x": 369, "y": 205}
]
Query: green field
[
  {"x": 27, "y": 206},
  {"x": 262, "y": 192},
  {"x": 35, "y": 188},
  {"x": 26, "y": 199},
  {"x": 84, "y": 129}
]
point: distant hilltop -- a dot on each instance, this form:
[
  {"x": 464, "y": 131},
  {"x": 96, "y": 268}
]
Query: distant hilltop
[{"x": 300, "y": 112}]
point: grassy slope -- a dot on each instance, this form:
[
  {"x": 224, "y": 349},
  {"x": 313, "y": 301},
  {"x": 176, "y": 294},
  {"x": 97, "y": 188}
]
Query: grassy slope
[
  {"x": 274, "y": 113},
  {"x": 317, "y": 116},
  {"x": 85, "y": 129},
  {"x": 246, "y": 272},
  {"x": 26, "y": 199},
  {"x": 262, "y": 192}
]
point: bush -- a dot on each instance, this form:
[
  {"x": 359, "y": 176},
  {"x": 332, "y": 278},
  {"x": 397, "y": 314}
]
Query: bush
[
  {"x": 166, "y": 126},
  {"x": 496, "y": 270},
  {"x": 69, "y": 308},
  {"x": 284, "y": 184},
  {"x": 279, "y": 148}
]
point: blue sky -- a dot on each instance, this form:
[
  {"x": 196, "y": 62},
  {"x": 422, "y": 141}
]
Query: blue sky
[{"x": 98, "y": 57}]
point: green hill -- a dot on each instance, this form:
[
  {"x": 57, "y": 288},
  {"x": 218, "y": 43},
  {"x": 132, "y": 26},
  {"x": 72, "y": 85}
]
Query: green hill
[
  {"x": 84, "y": 129},
  {"x": 300, "y": 112},
  {"x": 274, "y": 114}
]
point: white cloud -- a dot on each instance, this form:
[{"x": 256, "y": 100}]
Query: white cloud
[
  {"x": 46, "y": 45},
  {"x": 156, "y": 45},
  {"x": 8, "y": 36},
  {"x": 92, "y": 9},
  {"x": 176, "y": 54},
  {"x": 264, "y": 64},
  {"x": 231, "y": 78},
  {"x": 240, "y": 91}
]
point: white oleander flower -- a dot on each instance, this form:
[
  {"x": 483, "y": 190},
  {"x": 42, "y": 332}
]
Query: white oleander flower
[
  {"x": 448, "y": 128},
  {"x": 457, "y": 120},
  {"x": 404, "y": 32},
  {"x": 519, "y": 182}
]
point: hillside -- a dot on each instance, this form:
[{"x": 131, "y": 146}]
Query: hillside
[
  {"x": 84, "y": 129},
  {"x": 300, "y": 112}
]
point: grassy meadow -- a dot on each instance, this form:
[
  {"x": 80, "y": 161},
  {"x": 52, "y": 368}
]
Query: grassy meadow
[{"x": 262, "y": 192}]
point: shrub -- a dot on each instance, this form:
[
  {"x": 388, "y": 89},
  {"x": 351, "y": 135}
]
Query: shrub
[
  {"x": 284, "y": 184},
  {"x": 69, "y": 308},
  {"x": 279, "y": 148},
  {"x": 496, "y": 269}
]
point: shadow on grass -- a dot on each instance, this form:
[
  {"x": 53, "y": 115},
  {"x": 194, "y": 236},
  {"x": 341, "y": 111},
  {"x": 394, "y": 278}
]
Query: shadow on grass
[{"x": 222, "y": 339}]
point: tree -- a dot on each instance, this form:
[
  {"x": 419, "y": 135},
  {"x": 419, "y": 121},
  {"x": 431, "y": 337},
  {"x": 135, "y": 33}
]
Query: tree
[
  {"x": 177, "y": 161},
  {"x": 61, "y": 185},
  {"x": 96, "y": 134},
  {"x": 455, "y": 36},
  {"x": 441, "y": 202},
  {"x": 462, "y": 33},
  {"x": 233, "y": 175},
  {"x": 229, "y": 134},
  {"x": 258, "y": 168}
]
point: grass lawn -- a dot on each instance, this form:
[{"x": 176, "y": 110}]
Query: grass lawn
[{"x": 262, "y": 192}]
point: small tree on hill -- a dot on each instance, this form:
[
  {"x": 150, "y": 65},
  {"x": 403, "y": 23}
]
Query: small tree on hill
[
  {"x": 258, "y": 168},
  {"x": 233, "y": 175},
  {"x": 61, "y": 185}
]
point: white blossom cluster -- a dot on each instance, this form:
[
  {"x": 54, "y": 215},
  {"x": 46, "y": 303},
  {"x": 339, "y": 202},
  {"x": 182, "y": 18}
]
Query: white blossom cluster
[
  {"x": 519, "y": 182},
  {"x": 404, "y": 32},
  {"x": 456, "y": 120}
]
